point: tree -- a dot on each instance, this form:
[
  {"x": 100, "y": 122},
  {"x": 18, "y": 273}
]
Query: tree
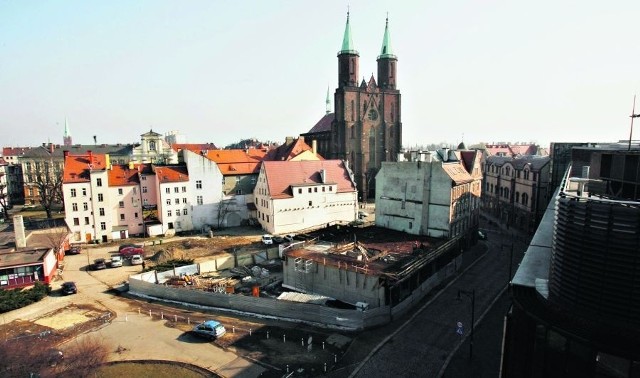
[
  {"x": 224, "y": 207},
  {"x": 56, "y": 238},
  {"x": 48, "y": 181},
  {"x": 4, "y": 196}
]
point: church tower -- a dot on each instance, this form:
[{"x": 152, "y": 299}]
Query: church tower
[
  {"x": 367, "y": 129},
  {"x": 66, "y": 138}
]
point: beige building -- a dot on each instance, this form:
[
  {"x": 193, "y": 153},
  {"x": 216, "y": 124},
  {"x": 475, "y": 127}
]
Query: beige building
[
  {"x": 434, "y": 193},
  {"x": 291, "y": 196},
  {"x": 517, "y": 189}
]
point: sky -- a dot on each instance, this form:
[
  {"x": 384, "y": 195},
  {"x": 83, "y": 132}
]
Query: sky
[{"x": 221, "y": 71}]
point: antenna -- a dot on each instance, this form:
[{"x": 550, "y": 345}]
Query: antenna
[{"x": 633, "y": 115}]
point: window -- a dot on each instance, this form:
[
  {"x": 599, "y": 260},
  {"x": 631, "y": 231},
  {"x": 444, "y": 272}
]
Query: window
[
  {"x": 135, "y": 215},
  {"x": 135, "y": 190},
  {"x": 76, "y": 221},
  {"x": 101, "y": 211},
  {"x": 74, "y": 206},
  {"x": 177, "y": 201},
  {"x": 100, "y": 197},
  {"x": 309, "y": 190},
  {"x": 199, "y": 200},
  {"x": 120, "y": 192},
  {"x": 299, "y": 190},
  {"x": 198, "y": 184},
  {"x": 517, "y": 197},
  {"x": 184, "y": 200},
  {"x": 184, "y": 189},
  {"x": 85, "y": 206},
  {"x": 103, "y": 226},
  {"x": 98, "y": 181},
  {"x": 315, "y": 190},
  {"x": 86, "y": 220},
  {"x": 143, "y": 178},
  {"x": 324, "y": 189},
  {"x": 331, "y": 188},
  {"x": 84, "y": 192},
  {"x": 168, "y": 201},
  {"x": 167, "y": 190},
  {"x": 176, "y": 190},
  {"x": 73, "y": 192},
  {"x": 239, "y": 191},
  {"x": 184, "y": 211},
  {"x": 121, "y": 204},
  {"x": 144, "y": 189},
  {"x": 310, "y": 203},
  {"x": 121, "y": 217},
  {"x": 169, "y": 213}
]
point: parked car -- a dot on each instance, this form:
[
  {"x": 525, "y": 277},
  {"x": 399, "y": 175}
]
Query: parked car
[
  {"x": 69, "y": 288},
  {"x": 278, "y": 239},
  {"x": 99, "y": 264},
  {"x": 289, "y": 237},
  {"x": 210, "y": 328},
  {"x": 116, "y": 261},
  {"x": 128, "y": 250},
  {"x": 267, "y": 239},
  {"x": 75, "y": 250},
  {"x": 136, "y": 260}
]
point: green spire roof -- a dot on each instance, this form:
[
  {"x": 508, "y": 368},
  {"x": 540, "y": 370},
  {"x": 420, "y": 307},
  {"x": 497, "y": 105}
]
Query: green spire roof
[
  {"x": 328, "y": 101},
  {"x": 66, "y": 128},
  {"x": 386, "y": 51},
  {"x": 347, "y": 42}
]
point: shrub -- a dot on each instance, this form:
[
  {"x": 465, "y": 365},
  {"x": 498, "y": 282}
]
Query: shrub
[{"x": 17, "y": 298}]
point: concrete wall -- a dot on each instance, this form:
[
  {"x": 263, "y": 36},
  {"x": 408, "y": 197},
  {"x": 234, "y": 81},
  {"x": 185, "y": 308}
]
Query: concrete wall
[
  {"x": 207, "y": 172},
  {"x": 339, "y": 283}
]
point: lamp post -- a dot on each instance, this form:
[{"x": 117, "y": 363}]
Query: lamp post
[
  {"x": 510, "y": 258},
  {"x": 471, "y": 294}
]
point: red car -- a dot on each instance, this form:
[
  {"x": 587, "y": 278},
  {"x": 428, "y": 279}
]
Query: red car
[{"x": 128, "y": 250}]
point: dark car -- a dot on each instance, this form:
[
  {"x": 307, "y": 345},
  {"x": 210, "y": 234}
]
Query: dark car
[
  {"x": 278, "y": 239},
  {"x": 128, "y": 250},
  {"x": 69, "y": 288},
  {"x": 75, "y": 250},
  {"x": 99, "y": 264}
]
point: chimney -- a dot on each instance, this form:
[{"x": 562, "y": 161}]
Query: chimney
[
  {"x": 65, "y": 153},
  {"x": 51, "y": 148},
  {"x": 323, "y": 176},
  {"x": 314, "y": 146},
  {"x": 288, "y": 140},
  {"x": 18, "y": 225},
  {"x": 90, "y": 156}
]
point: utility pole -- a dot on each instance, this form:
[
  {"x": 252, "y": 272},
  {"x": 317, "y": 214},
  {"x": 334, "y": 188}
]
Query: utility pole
[
  {"x": 471, "y": 294},
  {"x": 633, "y": 115}
]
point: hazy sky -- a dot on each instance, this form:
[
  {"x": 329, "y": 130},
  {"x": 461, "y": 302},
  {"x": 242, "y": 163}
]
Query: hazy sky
[{"x": 221, "y": 71}]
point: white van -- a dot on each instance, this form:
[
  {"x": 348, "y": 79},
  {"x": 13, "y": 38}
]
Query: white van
[{"x": 267, "y": 239}]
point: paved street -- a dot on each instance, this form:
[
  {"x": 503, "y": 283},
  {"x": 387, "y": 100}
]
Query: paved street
[{"x": 425, "y": 342}]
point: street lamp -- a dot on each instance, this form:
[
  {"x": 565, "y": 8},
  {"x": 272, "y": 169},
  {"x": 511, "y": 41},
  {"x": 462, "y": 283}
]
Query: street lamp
[
  {"x": 510, "y": 258},
  {"x": 471, "y": 294}
]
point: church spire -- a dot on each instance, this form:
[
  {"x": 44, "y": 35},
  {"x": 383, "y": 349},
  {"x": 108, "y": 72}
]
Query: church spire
[
  {"x": 385, "y": 51},
  {"x": 66, "y": 138},
  {"x": 328, "y": 102},
  {"x": 347, "y": 41}
]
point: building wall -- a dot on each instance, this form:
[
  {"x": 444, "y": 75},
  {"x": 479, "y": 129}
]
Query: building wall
[
  {"x": 128, "y": 210},
  {"x": 339, "y": 283},
  {"x": 205, "y": 182},
  {"x": 82, "y": 231},
  {"x": 173, "y": 205}
]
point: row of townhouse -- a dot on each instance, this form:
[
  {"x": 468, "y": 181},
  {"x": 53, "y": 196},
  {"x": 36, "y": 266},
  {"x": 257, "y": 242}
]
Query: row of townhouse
[
  {"x": 207, "y": 189},
  {"x": 517, "y": 189}
]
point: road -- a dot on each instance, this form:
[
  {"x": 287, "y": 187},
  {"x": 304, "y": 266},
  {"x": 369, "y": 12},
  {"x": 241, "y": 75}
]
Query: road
[
  {"x": 136, "y": 336},
  {"x": 426, "y": 341}
]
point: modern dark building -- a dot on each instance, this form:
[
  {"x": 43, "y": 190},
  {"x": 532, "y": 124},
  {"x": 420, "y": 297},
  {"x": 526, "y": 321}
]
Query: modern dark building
[
  {"x": 365, "y": 128},
  {"x": 576, "y": 294}
]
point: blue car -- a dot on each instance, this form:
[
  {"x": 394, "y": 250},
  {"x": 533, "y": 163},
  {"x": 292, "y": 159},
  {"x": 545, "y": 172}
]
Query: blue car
[{"x": 210, "y": 329}]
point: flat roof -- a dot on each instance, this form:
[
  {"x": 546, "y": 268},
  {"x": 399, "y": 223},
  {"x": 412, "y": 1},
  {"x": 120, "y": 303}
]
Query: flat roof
[{"x": 24, "y": 257}]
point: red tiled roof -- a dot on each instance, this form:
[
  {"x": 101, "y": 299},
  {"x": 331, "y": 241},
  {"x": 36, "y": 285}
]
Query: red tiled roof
[
  {"x": 237, "y": 162},
  {"x": 77, "y": 167},
  {"x": 281, "y": 175},
  {"x": 172, "y": 173},
  {"x": 512, "y": 149},
  {"x": 121, "y": 175},
  {"x": 457, "y": 173},
  {"x": 288, "y": 151},
  {"x": 14, "y": 151},
  {"x": 323, "y": 125},
  {"x": 2, "y": 161},
  {"x": 194, "y": 147}
]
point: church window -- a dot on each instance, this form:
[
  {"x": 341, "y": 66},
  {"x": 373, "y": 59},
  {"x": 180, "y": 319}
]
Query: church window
[
  {"x": 352, "y": 65},
  {"x": 373, "y": 115},
  {"x": 372, "y": 147},
  {"x": 152, "y": 145},
  {"x": 352, "y": 112},
  {"x": 391, "y": 70}
]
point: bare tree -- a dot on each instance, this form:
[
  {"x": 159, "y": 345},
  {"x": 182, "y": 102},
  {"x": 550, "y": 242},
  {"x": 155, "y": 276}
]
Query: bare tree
[
  {"x": 82, "y": 358},
  {"x": 4, "y": 196},
  {"x": 56, "y": 238},
  {"x": 49, "y": 184},
  {"x": 224, "y": 208}
]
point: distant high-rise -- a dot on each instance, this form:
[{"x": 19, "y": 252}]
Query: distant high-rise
[
  {"x": 67, "y": 134},
  {"x": 365, "y": 128}
]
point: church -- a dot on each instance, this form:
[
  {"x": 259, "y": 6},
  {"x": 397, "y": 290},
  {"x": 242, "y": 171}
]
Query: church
[{"x": 365, "y": 128}]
